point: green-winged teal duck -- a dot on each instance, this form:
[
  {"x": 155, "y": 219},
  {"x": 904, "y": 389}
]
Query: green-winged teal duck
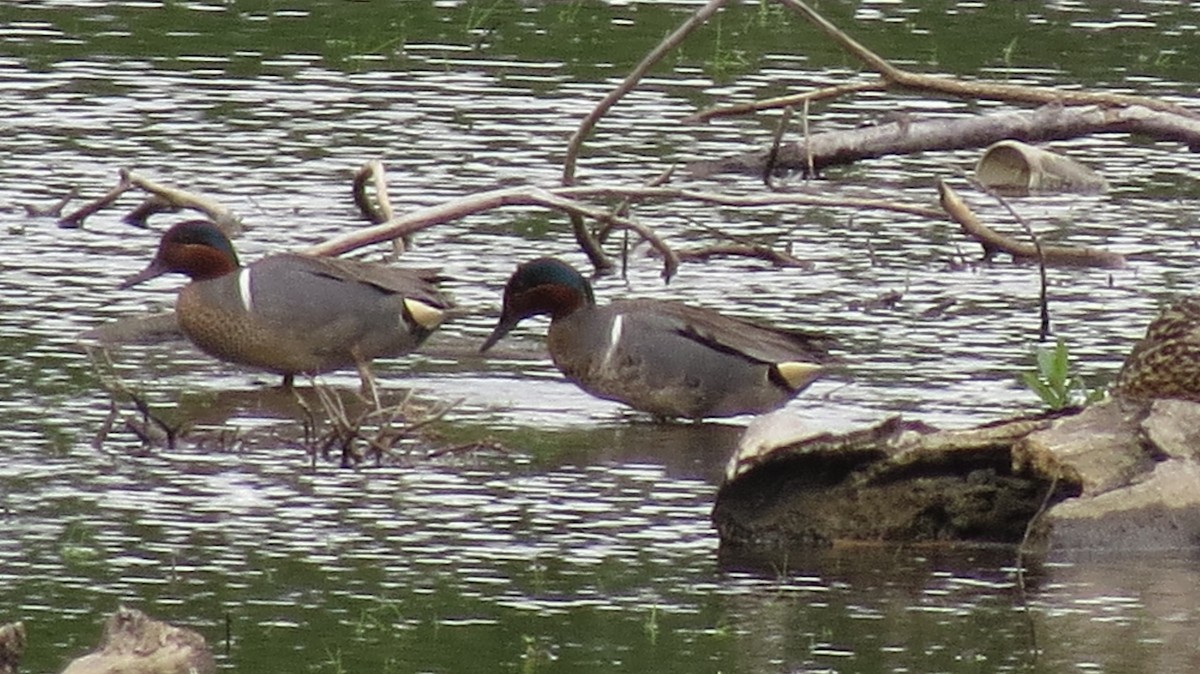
[
  {"x": 1166, "y": 362},
  {"x": 661, "y": 357},
  {"x": 289, "y": 313}
]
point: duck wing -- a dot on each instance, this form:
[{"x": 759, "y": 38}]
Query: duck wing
[
  {"x": 748, "y": 339},
  {"x": 417, "y": 284}
]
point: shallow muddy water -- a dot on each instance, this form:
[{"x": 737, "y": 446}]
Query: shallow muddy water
[{"x": 584, "y": 544}]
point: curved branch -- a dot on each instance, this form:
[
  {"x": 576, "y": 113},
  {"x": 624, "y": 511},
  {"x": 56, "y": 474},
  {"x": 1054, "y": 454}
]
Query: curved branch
[
  {"x": 993, "y": 242},
  {"x": 170, "y": 197},
  {"x": 380, "y": 210},
  {"x": 987, "y": 90},
  {"x": 485, "y": 201},
  {"x": 592, "y": 118},
  {"x": 585, "y": 238}
]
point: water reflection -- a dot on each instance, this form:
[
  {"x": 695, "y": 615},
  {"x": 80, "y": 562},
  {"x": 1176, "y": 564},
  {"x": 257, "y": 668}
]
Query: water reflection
[{"x": 587, "y": 546}]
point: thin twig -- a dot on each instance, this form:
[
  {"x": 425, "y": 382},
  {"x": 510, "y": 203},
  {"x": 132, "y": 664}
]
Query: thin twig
[
  {"x": 905, "y": 79},
  {"x": 585, "y": 239},
  {"x": 53, "y": 210},
  {"x": 756, "y": 251},
  {"x": 1043, "y": 297},
  {"x": 789, "y": 101},
  {"x": 1020, "y": 563},
  {"x": 776, "y": 139}
]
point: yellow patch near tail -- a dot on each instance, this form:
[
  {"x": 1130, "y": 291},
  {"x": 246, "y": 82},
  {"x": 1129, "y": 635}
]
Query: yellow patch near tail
[
  {"x": 797, "y": 375},
  {"x": 425, "y": 315}
]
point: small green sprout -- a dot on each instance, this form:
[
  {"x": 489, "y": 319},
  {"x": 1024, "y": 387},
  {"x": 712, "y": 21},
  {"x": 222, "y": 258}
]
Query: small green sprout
[{"x": 1054, "y": 382}]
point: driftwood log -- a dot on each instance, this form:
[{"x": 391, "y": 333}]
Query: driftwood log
[
  {"x": 904, "y": 136},
  {"x": 1123, "y": 474},
  {"x": 135, "y": 643}
]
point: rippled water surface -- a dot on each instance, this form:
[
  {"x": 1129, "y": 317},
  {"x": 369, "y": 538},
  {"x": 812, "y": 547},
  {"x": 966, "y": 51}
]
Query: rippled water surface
[{"x": 582, "y": 542}]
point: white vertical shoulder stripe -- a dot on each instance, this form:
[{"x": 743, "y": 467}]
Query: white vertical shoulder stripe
[
  {"x": 614, "y": 338},
  {"x": 244, "y": 290}
]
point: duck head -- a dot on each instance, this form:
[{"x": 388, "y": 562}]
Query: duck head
[
  {"x": 543, "y": 286},
  {"x": 196, "y": 248}
]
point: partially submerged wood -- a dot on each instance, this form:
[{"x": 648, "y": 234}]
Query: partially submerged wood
[
  {"x": 1121, "y": 474},
  {"x": 904, "y": 135},
  {"x": 1065, "y": 113},
  {"x": 993, "y": 242},
  {"x": 161, "y": 197},
  {"x": 135, "y": 643}
]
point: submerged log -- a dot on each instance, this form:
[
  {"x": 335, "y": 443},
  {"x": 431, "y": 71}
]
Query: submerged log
[
  {"x": 135, "y": 643},
  {"x": 905, "y": 136},
  {"x": 1120, "y": 474}
]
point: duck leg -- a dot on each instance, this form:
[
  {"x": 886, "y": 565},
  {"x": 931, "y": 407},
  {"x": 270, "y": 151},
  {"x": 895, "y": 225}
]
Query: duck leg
[{"x": 368, "y": 380}]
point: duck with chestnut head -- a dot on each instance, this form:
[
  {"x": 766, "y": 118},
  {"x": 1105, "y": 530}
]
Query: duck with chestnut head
[{"x": 291, "y": 313}]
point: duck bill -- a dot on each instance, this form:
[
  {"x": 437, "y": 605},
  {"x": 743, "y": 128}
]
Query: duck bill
[
  {"x": 502, "y": 328},
  {"x": 152, "y": 270}
]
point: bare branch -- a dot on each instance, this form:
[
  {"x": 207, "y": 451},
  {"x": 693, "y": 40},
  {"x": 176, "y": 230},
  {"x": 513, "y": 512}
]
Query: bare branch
[
  {"x": 789, "y": 101},
  {"x": 53, "y": 210},
  {"x": 976, "y": 90},
  {"x": 218, "y": 213},
  {"x": 585, "y": 238},
  {"x": 777, "y": 258},
  {"x": 380, "y": 210},
  {"x": 568, "y": 199},
  {"x": 994, "y": 242},
  {"x": 76, "y": 218},
  {"x": 631, "y": 80},
  {"x": 1050, "y": 122}
]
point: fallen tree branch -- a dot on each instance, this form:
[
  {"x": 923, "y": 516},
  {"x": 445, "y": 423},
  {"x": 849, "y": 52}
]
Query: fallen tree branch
[
  {"x": 585, "y": 238},
  {"x": 151, "y": 205},
  {"x": 53, "y": 210},
  {"x": 571, "y": 200},
  {"x": 789, "y": 101},
  {"x": 1065, "y": 114},
  {"x": 485, "y": 201},
  {"x": 1051, "y": 122},
  {"x": 380, "y": 210},
  {"x": 178, "y": 198},
  {"x": 75, "y": 219},
  {"x": 568, "y": 199},
  {"x": 906, "y": 79},
  {"x": 775, "y": 257},
  {"x": 994, "y": 242}
]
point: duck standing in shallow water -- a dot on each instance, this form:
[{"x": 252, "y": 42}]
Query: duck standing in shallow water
[
  {"x": 289, "y": 313},
  {"x": 665, "y": 358}
]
